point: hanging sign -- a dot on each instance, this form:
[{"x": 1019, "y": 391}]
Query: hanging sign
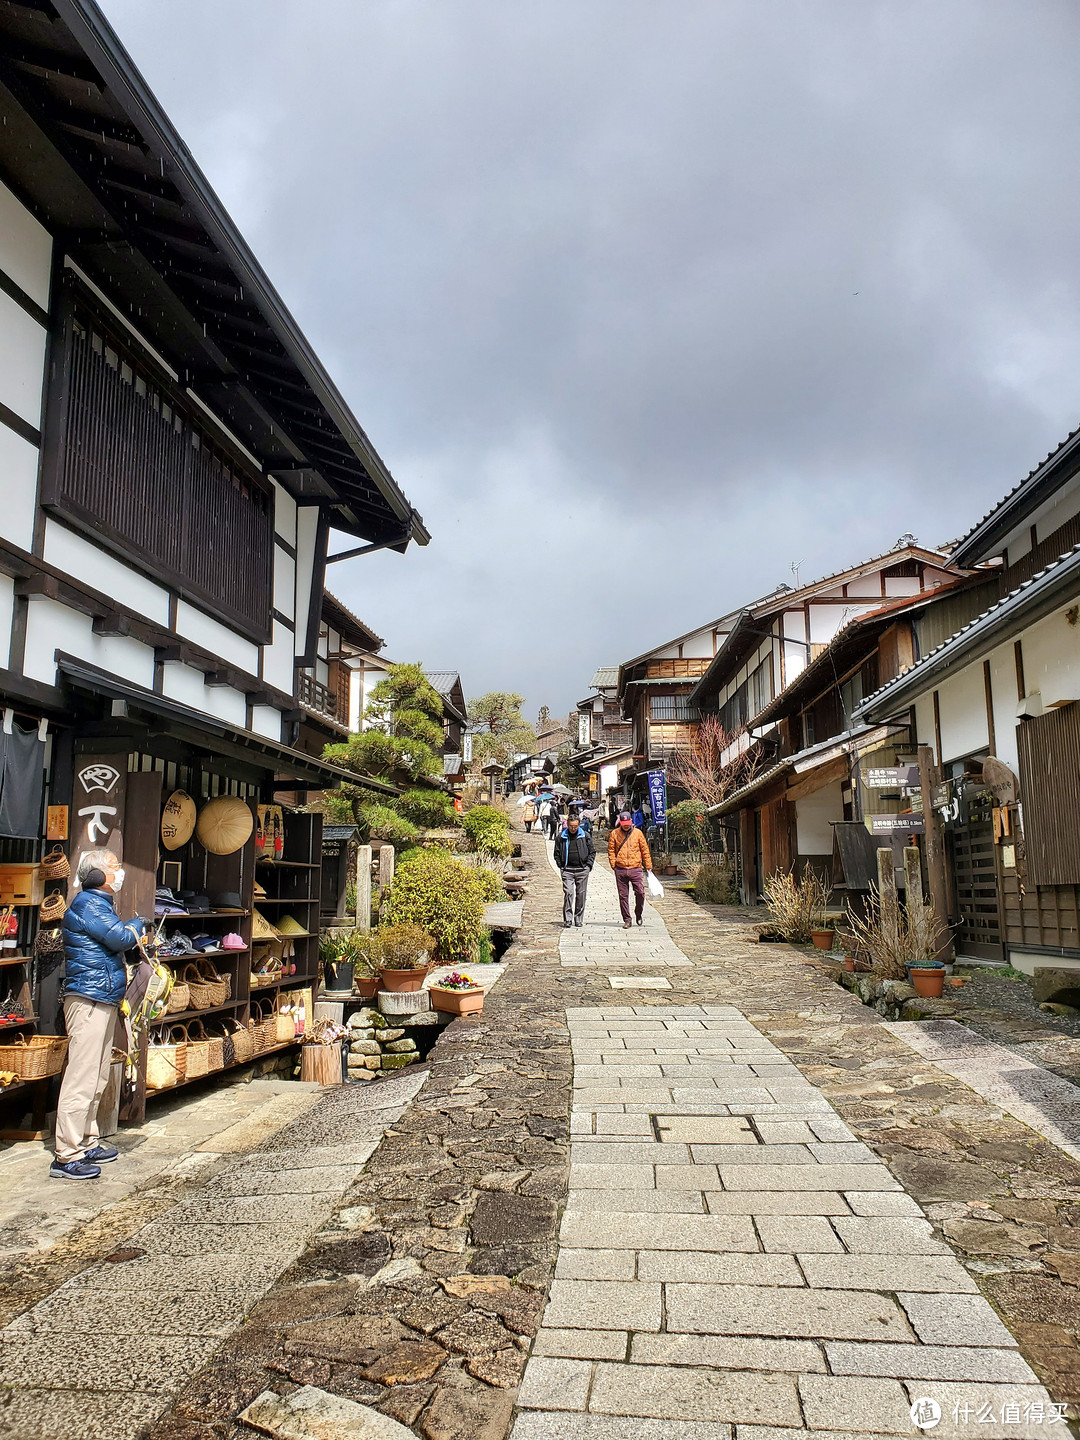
[
  {"x": 896, "y": 824},
  {"x": 1001, "y": 780},
  {"x": 56, "y": 822},
  {"x": 658, "y": 797},
  {"x": 99, "y": 792},
  {"x": 594, "y": 782},
  {"x": 891, "y": 777}
]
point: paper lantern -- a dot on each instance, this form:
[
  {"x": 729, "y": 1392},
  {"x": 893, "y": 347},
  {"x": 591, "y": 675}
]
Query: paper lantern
[
  {"x": 177, "y": 820},
  {"x": 224, "y": 825}
]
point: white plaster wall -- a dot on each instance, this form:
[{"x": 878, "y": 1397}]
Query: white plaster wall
[
  {"x": 924, "y": 722},
  {"x": 307, "y": 521},
  {"x": 1003, "y": 690},
  {"x": 812, "y": 816},
  {"x": 284, "y": 514},
  {"x": 7, "y": 604},
  {"x": 22, "y": 361},
  {"x": 699, "y": 646},
  {"x": 18, "y": 488},
  {"x": 284, "y": 583},
  {"x": 187, "y": 687},
  {"x": 902, "y": 585},
  {"x": 356, "y": 700},
  {"x": 265, "y": 720},
  {"x": 25, "y": 248},
  {"x": 278, "y": 660},
  {"x": 1064, "y": 507},
  {"x": 1052, "y": 659},
  {"x": 51, "y": 626},
  {"x": 865, "y": 585},
  {"x": 962, "y": 702},
  {"x": 85, "y": 561},
  {"x": 193, "y": 625}
]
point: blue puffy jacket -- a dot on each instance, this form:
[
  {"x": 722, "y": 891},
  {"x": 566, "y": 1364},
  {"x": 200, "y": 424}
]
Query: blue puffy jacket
[{"x": 95, "y": 939}]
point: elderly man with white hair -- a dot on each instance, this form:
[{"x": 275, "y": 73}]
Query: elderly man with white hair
[{"x": 95, "y": 978}]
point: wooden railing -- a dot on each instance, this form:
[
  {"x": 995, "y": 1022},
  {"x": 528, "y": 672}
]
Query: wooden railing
[{"x": 316, "y": 696}]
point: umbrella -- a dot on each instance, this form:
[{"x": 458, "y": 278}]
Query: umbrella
[{"x": 561, "y": 790}]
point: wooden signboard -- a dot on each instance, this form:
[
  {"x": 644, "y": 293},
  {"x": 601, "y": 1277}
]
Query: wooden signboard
[
  {"x": 56, "y": 822},
  {"x": 99, "y": 795}
]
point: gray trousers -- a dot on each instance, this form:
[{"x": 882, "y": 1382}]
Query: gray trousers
[
  {"x": 575, "y": 884},
  {"x": 90, "y": 1025}
]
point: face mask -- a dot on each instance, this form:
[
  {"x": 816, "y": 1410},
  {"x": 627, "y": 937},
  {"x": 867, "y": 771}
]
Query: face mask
[{"x": 118, "y": 880}]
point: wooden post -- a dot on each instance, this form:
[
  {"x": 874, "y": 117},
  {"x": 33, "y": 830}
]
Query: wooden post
[
  {"x": 886, "y": 879},
  {"x": 386, "y": 870},
  {"x": 913, "y": 892},
  {"x": 363, "y": 887},
  {"x": 935, "y": 851}
]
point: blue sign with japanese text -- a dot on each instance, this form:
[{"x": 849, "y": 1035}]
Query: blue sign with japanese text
[{"x": 658, "y": 797}]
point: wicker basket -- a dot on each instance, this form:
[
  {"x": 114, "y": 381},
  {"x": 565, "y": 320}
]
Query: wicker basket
[
  {"x": 51, "y": 910},
  {"x": 166, "y": 1064},
  {"x": 265, "y": 1025},
  {"x": 216, "y": 1043},
  {"x": 179, "y": 998},
  {"x": 198, "y": 990},
  {"x": 55, "y": 865},
  {"x": 220, "y": 986},
  {"x": 243, "y": 1040},
  {"x": 198, "y": 1049},
  {"x": 34, "y": 1057},
  {"x": 284, "y": 1027}
]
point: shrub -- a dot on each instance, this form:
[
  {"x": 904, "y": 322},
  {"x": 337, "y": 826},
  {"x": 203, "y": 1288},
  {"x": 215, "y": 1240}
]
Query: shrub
[
  {"x": 399, "y": 947},
  {"x": 488, "y": 829},
  {"x": 798, "y": 906},
  {"x": 491, "y": 887},
  {"x": 439, "y": 893},
  {"x": 715, "y": 884},
  {"x": 387, "y": 825},
  {"x": 896, "y": 935},
  {"x": 428, "y": 808},
  {"x": 688, "y": 826}
]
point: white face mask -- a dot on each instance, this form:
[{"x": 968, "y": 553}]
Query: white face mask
[{"x": 118, "y": 880}]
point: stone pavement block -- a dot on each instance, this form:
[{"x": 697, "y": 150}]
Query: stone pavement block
[
  {"x": 706, "y": 1129},
  {"x": 727, "y": 1352},
  {"x": 582, "y": 1344},
  {"x": 844, "y": 1152},
  {"x": 775, "y": 1202},
  {"x": 907, "y": 1235},
  {"x": 785, "y": 1132},
  {"x": 99, "y": 1362},
  {"x": 718, "y": 1269},
  {"x": 563, "y": 1425},
  {"x": 751, "y": 1154},
  {"x": 609, "y": 1231},
  {"x": 888, "y": 1272},
  {"x": 603, "y": 1305},
  {"x": 624, "y": 1125},
  {"x": 707, "y": 1101},
  {"x": 807, "y": 1177},
  {"x": 831, "y": 1127},
  {"x": 630, "y": 1071},
  {"x": 597, "y": 1265},
  {"x": 791, "y": 1313},
  {"x": 962, "y": 1401},
  {"x": 930, "y": 1362},
  {"x": 77, "y": 1415},
  {"x": 955, "y": 1320},
  {"x": 671, "y": 1392},
  {"x": 551, "y": 1384},
  {"x": 880, "y": 1203},
  {"x": 154, "y": 1310},
  {"x": 672, "y": 1202},
  {"x": 833, "y": 1402},
  {"x": 687, "y": 1177},
  {"x": 807, "y": 1234},
  {"x": 639, "y": 982},
  {"x": 611, "y": 1177}
]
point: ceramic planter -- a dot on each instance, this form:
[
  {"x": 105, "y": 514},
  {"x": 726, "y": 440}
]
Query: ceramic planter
[
  {"x": 822, "y": 939},
  {"x": 395, "y": 980},
  {"x": 928, "y": 983},
  {"x": 338, "y": 975},
  {"x": 366, "y": 986},
  {"x": 457, "y": 1002}
]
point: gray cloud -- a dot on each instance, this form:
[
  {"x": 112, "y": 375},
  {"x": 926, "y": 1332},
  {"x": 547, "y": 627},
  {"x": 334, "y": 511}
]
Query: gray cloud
[{"x": 644, "y": 303}]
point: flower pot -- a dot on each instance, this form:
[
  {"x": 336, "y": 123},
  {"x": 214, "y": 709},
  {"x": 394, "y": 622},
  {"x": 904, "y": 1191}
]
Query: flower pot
[
  {"x": 823, "y": 939},
  {"x": 366, "y": 986},
  {"x": 928, "y": 983},
  {"x": 849, "y": 964},
  {"x": 670, "y": 870},
  {"x": 404, "y": 979},
  {"x": 338, "y": 975},
  {"x": 457, "y": 1002}
]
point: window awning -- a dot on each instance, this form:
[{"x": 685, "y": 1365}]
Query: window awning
[{"x": 293, "y": 769}]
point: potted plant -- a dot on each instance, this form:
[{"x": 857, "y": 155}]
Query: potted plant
[
  {"x": 403, "y": 954},
  {"x": 336, "y": 963},
  {"x": 667, "y": 865},
  {"x": 928, "y": 978},
  {"x": 798, "y": 906},
  {"x": 457, "y": 995},
  {"x": 356, "y": 947}
]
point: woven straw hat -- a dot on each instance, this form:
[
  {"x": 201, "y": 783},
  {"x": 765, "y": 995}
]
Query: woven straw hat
[
  {"x": 224, "y": 825},
  {"x": 177, "y": 820},
  {"x": 287, "y": 925},
  {"x": 261, "y": 929}
]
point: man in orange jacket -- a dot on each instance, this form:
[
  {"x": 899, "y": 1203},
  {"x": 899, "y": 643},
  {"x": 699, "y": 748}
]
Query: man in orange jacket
[{"x": 628, "y": 855}]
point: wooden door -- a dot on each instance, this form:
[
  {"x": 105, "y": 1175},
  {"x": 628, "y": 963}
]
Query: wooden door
[{"x": 973, "y": 862}]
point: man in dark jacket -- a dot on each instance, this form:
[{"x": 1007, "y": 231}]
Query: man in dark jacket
[
  {"x": 575, "y": 856},
  {"x": 95, "y": 978}
]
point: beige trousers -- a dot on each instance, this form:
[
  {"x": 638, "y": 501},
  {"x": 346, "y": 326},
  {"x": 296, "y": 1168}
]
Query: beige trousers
[{"x": 90, "y": 1026}]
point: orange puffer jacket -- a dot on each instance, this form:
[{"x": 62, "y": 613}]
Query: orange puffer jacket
[{"x": 630, "y": 853}]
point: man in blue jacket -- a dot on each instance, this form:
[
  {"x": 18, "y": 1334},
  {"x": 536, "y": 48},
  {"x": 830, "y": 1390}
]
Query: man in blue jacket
[
  {"x": 575, "y": 856},
  {"x": 95, "y": 978}
]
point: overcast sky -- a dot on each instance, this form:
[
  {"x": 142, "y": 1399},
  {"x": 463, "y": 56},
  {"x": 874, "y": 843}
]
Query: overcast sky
[{"x": 644, "y": 303}]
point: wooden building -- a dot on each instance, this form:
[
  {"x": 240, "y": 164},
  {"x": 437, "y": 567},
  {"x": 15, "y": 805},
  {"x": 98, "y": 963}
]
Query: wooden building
[
  {"x": 1007, "y": 685},
  {"x": 173, "y": 457}
]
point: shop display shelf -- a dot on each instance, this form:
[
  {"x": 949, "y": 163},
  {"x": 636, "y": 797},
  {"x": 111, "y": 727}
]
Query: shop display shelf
[
  {"x": 202, "y": 915},
  {"x": 287, "y": 864},
  {"x": 14, "y": 960},
  {"x": 182, "y": 1015},
  {"x": 287, "y": 982},
  {"x": 284, "y": 900},
  {"x": 18, "y": 1024},
  {"x": 214, "y": 1074}
]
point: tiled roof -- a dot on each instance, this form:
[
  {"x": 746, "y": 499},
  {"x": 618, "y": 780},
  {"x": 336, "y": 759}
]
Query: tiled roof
[
  {"x": 1027, "y": 480},
  {"x": 605, "y": 678}
]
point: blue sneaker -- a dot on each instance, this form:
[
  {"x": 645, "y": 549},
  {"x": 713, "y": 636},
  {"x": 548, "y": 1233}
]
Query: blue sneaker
[
  {"x": 73, "y": 1170},
  {"x": 100, "y": 1155}
]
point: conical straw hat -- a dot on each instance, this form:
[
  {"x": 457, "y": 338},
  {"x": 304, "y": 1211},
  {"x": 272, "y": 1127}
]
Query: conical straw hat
[
  {"x": 177, "y": 820},
  {"x": 224, "y": 825}
]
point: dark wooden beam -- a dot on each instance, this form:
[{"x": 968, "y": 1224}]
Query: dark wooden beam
[{"x": 53, "y": 62}]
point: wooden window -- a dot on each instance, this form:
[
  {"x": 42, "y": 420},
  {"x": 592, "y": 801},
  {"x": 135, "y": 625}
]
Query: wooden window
[
  {"x": 129, "y": 463},
  {"x": 1049, "y": 753}
]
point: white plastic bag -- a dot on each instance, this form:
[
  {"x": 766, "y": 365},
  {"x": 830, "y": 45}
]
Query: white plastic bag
[{"x": 656, "y": 890}]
